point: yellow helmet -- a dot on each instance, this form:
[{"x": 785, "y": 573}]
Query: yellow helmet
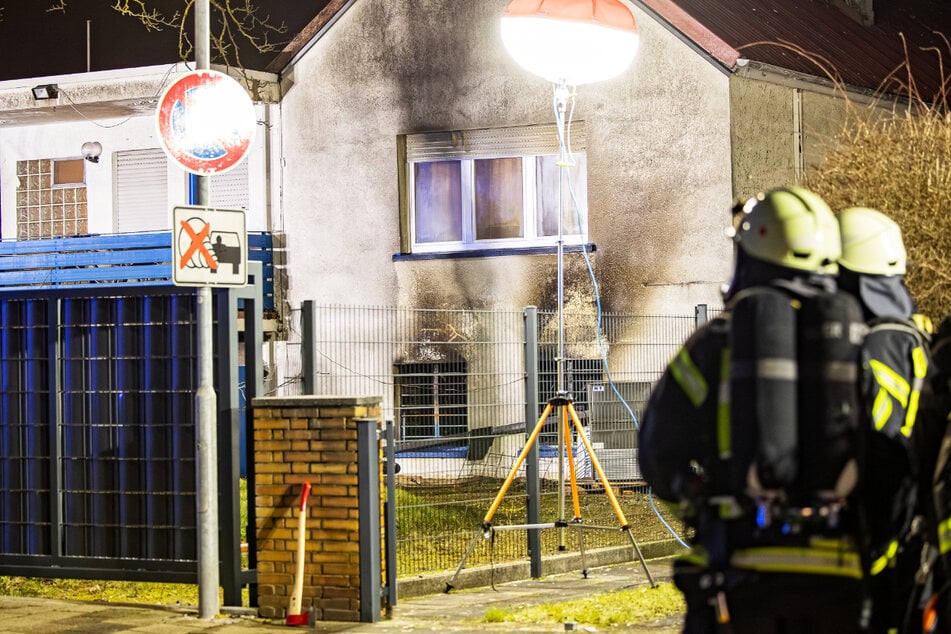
[
  {"x": 871, "y": 242},
  {"x": 791, "y": 227}
]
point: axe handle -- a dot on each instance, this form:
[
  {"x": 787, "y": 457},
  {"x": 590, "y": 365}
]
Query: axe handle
[{"x": 296, "y": 596}]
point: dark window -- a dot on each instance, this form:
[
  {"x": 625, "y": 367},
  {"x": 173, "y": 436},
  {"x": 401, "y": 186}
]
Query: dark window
[{"x": 432, "y": 399}]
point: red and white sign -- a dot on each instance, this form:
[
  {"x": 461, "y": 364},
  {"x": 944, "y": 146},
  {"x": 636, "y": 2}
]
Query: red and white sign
[{"x": 206, "y": 122}]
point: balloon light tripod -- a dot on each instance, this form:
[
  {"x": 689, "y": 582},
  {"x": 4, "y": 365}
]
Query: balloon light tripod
[
  {"x": 567, "y": 416},
  {"x": 567, "y": 42}
]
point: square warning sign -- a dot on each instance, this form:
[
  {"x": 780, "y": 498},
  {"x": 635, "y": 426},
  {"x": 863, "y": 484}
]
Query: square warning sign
[{"x": 209, "y": 247}]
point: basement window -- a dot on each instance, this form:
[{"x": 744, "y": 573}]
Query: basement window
[
  {"x": 478, "y": 190},
  {"x": 432, "y": 400}
]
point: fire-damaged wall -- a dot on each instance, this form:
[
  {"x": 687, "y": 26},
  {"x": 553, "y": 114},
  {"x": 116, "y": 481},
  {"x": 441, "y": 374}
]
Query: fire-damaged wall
[{"x": 658, "y": 163}]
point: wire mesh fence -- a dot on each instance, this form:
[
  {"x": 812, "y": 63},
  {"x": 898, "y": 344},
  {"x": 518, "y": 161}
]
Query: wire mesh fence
[{"x": 454, "y": 382}]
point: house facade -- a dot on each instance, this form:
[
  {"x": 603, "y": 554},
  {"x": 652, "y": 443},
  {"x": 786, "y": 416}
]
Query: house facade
[
  {"x": 383, "y": 118},
  {"x": 656, "y": 176},
  {"x": 408, "y": 161},
  {"x": 48, "y": 188}
]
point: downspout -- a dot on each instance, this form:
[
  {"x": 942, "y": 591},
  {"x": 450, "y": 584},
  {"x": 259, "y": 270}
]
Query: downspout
[
  {"x": 268, "y": 219},
  {"x": 799, "y": 165}
]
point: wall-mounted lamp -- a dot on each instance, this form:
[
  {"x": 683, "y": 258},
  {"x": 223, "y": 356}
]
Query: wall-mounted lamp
[
  {"x": 46, "y": 91},
  {"x": 92, "y": 150}
]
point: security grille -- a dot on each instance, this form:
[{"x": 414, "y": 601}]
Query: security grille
[{"x": 432, "y": 399}]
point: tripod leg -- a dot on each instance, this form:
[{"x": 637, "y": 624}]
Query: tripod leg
[
  {"x": 462, "y": 563},
  {"x": 640, "y": 557},
  {"x": 518, "y": 463},
  {"x": 571, "y": 465},
  {"x": 584, "y": 565},
  {"x": 596, "y": 464}
]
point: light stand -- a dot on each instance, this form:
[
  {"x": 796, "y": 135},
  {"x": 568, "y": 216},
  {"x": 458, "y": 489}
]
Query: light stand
[
  {"x": 562, "y": 93},
  {"x": 567, "y": 42},
  {"x": 566, "y": 414}
]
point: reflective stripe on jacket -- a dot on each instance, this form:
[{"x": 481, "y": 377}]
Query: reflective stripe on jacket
[
  {"x": 688, "y": 377},
  {"x": 896, "y": 395},
  {"x": 823, "y": 556},
  {"x": 944, "y": 535}
]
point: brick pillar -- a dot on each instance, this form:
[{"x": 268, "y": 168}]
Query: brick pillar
[{"x": 313, "y": 439}]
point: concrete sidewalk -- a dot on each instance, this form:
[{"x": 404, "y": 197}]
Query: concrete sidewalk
[{"x": 457, "y": 611}]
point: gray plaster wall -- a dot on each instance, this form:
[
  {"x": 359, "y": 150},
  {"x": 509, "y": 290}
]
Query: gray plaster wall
[
  {"x": 659, "y": 172},
  {"x": 770, "y": 138}
]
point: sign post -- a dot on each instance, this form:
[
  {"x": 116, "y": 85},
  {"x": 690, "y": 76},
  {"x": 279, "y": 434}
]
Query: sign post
[{"x": 206, "y": 123}]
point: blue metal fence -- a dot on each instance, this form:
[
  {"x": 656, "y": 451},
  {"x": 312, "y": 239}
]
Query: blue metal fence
[
  {"x": 97, "y": 429},
  {"x": 98, "y": 373},
  {"x": 98, "y": 261}
]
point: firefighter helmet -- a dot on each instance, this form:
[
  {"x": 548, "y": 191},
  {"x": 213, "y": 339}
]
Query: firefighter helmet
[
  {"x": 791, "y": 227},
  {"x": 871, "y": 242}
]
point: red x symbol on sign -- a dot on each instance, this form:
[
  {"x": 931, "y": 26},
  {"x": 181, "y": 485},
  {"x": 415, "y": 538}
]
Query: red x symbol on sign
[{"x": 198, "y": 244}]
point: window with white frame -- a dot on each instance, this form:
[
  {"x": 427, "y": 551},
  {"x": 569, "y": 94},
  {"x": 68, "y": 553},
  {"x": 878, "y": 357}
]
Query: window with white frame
[{"x": 492, "y": 189}]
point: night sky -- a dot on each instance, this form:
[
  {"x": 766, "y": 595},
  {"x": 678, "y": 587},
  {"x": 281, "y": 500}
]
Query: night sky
[{"x": 36, "y": 42}]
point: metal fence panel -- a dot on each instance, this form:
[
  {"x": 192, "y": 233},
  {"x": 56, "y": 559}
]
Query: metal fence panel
[
  {"x": 453, "y": 382},
  {"x": 24, "y": 435},
  {"x": 97, "y": 435}
]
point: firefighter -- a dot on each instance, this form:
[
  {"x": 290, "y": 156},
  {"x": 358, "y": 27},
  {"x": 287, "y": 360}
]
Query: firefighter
[
  {"x": 896, "y": 364},
  {"x": 934, "y": 442},
  {"x": 754, "y": 566}
]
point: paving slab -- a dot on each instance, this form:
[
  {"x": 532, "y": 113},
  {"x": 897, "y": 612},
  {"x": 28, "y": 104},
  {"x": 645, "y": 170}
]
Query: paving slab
[{"x": 457, "y": 611}]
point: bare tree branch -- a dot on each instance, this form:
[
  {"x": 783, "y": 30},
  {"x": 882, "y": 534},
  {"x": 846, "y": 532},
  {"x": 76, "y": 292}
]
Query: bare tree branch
[
  {"x": 238, "y": 21},
  {"x": 152, "y": 19}
]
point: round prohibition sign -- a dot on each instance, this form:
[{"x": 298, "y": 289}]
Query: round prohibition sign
[{"x": 206, "y": 122}]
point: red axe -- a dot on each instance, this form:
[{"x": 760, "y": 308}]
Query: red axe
[{"x": 294, "y": 616}]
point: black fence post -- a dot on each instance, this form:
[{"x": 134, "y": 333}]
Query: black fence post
[
  {"x": 307, "y": 328},
  {"x": 389, "y": 520},
  {"x": 533, "y": 490},
  {"x": 368, "y": 503}
]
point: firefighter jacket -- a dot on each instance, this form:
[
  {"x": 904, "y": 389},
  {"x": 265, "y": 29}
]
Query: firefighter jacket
[
  {"x": 677, "y": 440},
  {"x": 896, "y": 364},
  {"x": 935, "y": 444},
  {"x": 686, "y": 445}
]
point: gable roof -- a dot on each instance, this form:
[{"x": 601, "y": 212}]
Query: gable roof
[
  {"x": 814, "y": 38},
  {"x": 792, "y": 36}
]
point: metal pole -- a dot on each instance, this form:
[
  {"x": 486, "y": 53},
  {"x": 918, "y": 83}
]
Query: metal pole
[
  {"x": 561, "y": 102},
  {"x": 368, "y": 529},
  {"x": 532, "y": 486},
  {"x": 206, "y": 400},
  {"x": 308, "y": 326}
]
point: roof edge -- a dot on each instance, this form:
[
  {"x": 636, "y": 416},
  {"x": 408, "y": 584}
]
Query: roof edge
[
  {"x": 762, "y": 71},
  {"x": 686, "y": 25},
  {"x": 309, "y": 36}
]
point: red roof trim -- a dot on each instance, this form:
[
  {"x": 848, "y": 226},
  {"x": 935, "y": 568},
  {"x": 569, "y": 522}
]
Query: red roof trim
[{"x": 697, "y": 32}]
